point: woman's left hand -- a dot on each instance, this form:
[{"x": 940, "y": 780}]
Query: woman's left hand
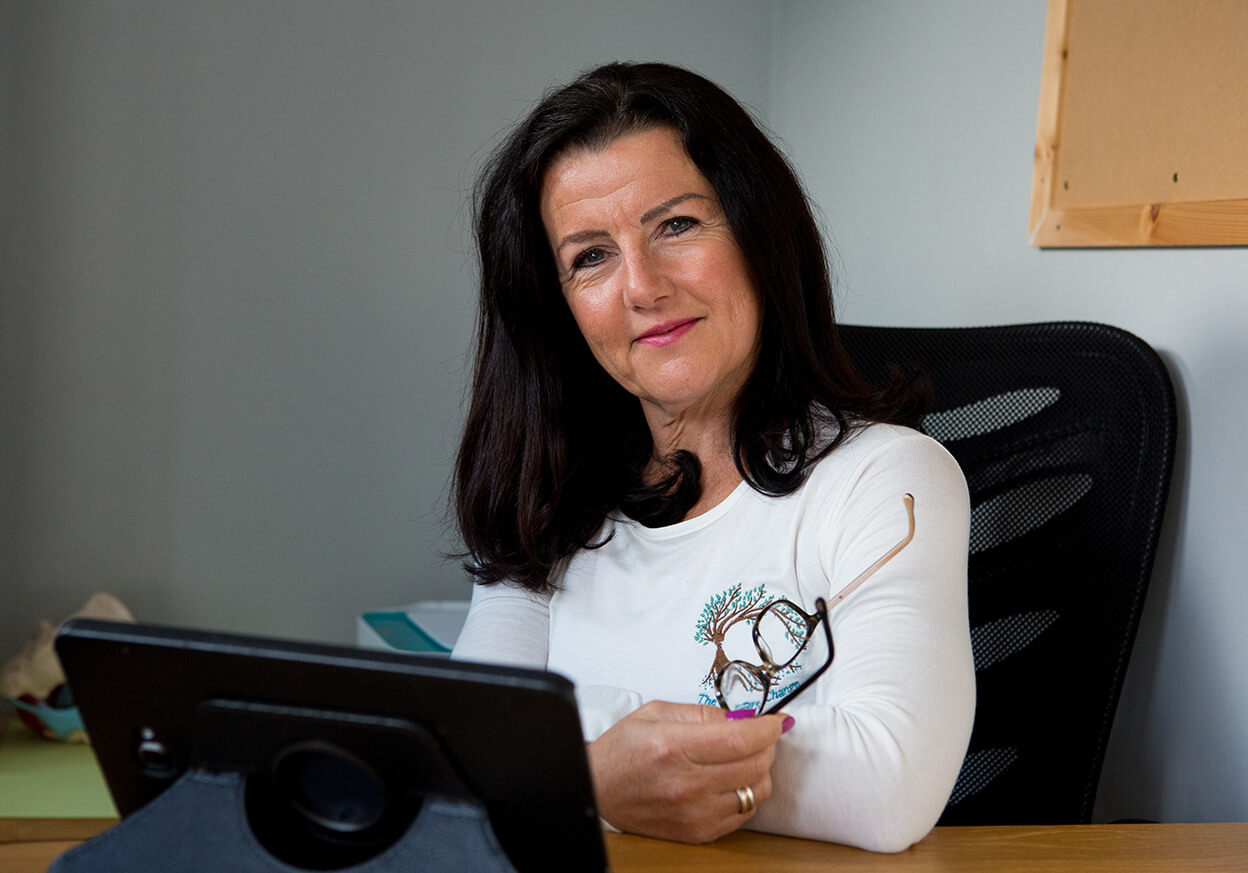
[{"x": 673, "y": 770}]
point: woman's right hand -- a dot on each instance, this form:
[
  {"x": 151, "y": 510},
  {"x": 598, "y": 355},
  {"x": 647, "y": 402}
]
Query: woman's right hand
[{"x": 672, "y": 770}]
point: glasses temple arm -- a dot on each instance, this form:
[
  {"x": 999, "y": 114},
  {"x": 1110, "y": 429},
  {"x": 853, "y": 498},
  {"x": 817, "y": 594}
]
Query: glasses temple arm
[{"x": 892, "y": 553}]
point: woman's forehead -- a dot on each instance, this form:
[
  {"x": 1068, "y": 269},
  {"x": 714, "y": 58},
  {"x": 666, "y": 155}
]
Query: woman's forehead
[{"x": 629, "y": 172}]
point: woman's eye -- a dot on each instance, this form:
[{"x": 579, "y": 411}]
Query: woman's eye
[
  {"x": 588, "y": 258},
  {"x": 679, "y": 225}
]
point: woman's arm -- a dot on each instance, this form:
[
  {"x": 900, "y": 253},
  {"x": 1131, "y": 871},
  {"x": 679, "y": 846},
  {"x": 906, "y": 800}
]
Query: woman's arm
[
  {"x": 880, "y": 739},
  {"x": 505, "y": 625},
  {"x": 878, "y": 742},
  {"x": 664, "y": 769},
  {"x": 511, "y": 625}
]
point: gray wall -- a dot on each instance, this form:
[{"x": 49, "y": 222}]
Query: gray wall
[
  {"x": 914, "y": 123},
  {"x": 236, "y": 290},
  {"x": 238, "y": 287}
]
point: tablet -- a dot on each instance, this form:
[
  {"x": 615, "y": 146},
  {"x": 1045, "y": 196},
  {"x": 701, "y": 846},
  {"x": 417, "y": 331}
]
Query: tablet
[{"x": 383, "y": 730}]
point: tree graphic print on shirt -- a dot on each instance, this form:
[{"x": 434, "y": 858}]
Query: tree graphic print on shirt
[
  {"x": 720, "y": 614},
  {"x": 723, "y": 612}
]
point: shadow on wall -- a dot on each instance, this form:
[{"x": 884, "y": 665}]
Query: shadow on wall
[
  {"x": 1179, "y": 751},
  {"x": 1201, "y": 740},
  {"x": 1132, "y": 783}
]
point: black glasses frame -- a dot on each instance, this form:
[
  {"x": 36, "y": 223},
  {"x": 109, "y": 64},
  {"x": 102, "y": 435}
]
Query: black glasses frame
[{"x": 765, "y": 674}]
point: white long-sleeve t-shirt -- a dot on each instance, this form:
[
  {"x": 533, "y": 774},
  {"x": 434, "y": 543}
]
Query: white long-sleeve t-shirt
[{"x": 879, "y": 738}]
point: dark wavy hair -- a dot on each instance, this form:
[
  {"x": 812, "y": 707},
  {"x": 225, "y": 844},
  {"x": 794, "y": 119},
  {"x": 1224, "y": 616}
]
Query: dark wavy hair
[{"x": 551, "y": 443}]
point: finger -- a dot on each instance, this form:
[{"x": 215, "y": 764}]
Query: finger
[
  {"x": 746, "y": 803},
  {"x": 722, "y": 741},
  {"x": 762, "y": 788},
  {"x": 684, "y": 713},
  {"x": 748, "y": 798},
  {"x": 754, "y": 770},
  {"x": 712, "y": 758}
]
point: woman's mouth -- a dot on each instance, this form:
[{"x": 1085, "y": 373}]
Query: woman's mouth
[{"x": 667, "y": 333}]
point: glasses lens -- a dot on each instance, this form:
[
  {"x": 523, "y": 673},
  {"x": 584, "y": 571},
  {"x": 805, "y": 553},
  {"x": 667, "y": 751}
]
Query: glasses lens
[
  {"x": 741, "y": 688},
  {"x": 781, "y": 632}
]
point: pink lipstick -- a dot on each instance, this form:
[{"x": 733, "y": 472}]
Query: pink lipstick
[{"x": 667, "y": 333}]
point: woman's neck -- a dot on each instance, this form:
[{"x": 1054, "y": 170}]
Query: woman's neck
[{"x": 710, "y": 442}]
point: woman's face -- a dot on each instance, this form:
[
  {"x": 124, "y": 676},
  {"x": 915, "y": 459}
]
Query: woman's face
[{"x": 652, "y": 273}]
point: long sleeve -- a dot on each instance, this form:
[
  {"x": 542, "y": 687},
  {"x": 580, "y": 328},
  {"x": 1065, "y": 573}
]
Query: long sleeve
[
  {"x": 510, "y": 625},
  {"x": 878, "y": 743},
  {"x": 505, "y": 625}
]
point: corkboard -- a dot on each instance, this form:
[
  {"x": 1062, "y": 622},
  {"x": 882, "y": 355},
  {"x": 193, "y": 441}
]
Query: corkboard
[{"x": 1142, "y": 132}]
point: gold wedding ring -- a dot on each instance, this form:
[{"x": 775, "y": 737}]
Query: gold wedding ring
[{"x": 745, "y": 797}]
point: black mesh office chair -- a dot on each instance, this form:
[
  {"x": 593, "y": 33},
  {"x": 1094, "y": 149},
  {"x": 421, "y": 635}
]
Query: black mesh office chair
[{"x": 1065, "y": 432}]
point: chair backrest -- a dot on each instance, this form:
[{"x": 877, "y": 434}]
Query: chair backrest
[{"x": 1065, "y": 432}]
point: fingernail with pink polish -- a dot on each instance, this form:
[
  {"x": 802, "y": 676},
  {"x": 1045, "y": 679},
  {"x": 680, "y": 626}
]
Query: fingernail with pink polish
[
  {"x": 786, "y": 724},
  {"x": 739, "y": 713}
]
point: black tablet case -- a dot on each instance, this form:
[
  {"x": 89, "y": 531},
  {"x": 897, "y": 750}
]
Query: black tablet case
[{"x": 205, "y": 738}]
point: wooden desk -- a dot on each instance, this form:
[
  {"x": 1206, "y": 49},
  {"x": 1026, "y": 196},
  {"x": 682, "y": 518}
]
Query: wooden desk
[{"x": 30, "y": 845}]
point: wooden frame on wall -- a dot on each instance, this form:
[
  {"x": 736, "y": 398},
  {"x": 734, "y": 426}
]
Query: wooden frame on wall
[{"x": 1142, "y": 130}]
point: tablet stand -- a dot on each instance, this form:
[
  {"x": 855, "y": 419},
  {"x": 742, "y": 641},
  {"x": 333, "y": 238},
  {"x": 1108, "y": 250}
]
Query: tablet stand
[{"x": 272, "y": 787}]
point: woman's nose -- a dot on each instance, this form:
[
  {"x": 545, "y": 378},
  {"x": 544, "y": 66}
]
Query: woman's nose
[{"x": 645, "y": 281}]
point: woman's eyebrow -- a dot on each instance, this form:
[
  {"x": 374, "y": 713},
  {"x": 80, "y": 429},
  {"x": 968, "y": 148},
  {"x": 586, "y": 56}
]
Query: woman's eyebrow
[
  {"x": 651, "y": 214},
  {"x": 581, "y": 236},
  {"x": 584, "y": 236}
]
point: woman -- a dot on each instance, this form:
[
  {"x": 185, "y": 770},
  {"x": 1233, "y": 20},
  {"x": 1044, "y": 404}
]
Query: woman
[{"x": 664, "y": 436}]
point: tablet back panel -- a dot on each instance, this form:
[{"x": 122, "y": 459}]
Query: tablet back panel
[{"x": 512, "y": 736}]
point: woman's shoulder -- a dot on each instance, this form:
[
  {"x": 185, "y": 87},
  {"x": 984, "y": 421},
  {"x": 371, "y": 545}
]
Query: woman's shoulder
[
  {"x": 875, "y": 449},
  {"x": 872, "y": 437}
]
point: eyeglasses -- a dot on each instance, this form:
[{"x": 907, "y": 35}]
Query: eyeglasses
[{"x": 783, "y": 631}]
